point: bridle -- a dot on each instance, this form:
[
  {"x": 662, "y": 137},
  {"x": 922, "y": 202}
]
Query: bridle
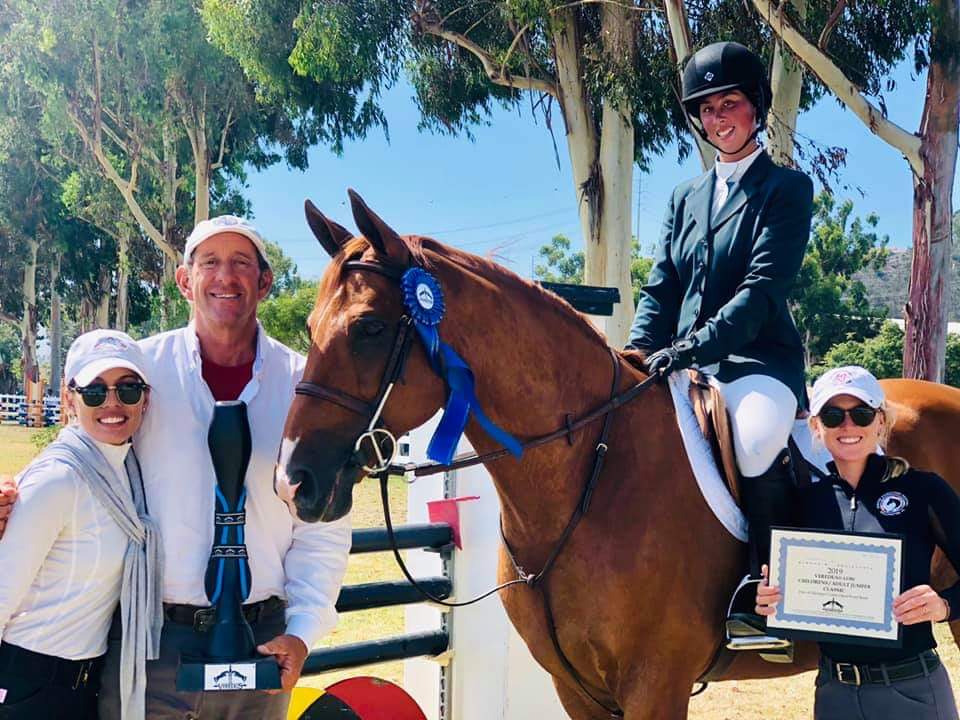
[{"x": 372, "y": 412}]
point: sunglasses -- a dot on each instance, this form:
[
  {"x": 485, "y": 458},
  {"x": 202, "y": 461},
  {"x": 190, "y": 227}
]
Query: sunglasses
[
  {"x": 95, "y": 395},
  {"x": 832, "y": 416}
]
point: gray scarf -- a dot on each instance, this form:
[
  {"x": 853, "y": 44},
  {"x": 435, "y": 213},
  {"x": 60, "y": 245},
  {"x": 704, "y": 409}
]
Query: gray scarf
[{"x": 141, "y": 606}]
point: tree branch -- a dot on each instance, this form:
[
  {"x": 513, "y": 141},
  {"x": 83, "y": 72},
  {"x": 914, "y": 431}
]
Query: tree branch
[
  {"x": 223, "y": 141},
  {"x": 831, "y": 24},
  {"x": 495, "y": 74},
  {"x": 830, "y": 75},
  {"x": 125, "y": 188}
]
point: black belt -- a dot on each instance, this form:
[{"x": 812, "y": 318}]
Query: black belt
[
  {"x": 201, "y": 617},
  {"x": 72, "y": 674},
  {"x": 884, "y": 673}
]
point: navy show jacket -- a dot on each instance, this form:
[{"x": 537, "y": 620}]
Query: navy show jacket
[{"x": 724, "y": 284}]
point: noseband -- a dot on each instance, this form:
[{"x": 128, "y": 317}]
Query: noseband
[{"x": 372, "y": 411}]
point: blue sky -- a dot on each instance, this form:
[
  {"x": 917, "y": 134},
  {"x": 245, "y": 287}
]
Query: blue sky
[{"x": 503, "y": 193}]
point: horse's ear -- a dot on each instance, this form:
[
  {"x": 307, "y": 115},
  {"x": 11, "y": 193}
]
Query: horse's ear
[
  {"x": 331, "y": 235},
  {"x": 384, "y": 238}
]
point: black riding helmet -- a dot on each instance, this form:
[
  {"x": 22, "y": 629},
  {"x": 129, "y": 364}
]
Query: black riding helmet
[{"x": 725, "y": 66}]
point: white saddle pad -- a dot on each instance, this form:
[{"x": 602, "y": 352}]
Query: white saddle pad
[{"x": 709, "y": 479}]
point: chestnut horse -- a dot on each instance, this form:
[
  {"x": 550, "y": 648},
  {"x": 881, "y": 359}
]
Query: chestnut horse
[{"x": 639, "y": 593}]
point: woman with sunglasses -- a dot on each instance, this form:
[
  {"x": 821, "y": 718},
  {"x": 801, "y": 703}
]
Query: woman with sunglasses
[
  {"x": 870, "y": 492},
  {"x": 78, "y": 543}
]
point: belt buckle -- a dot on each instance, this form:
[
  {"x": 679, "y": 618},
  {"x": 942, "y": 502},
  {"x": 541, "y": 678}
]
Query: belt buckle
[
  {"x": 203, "y": 618},
  {"x": 849, "y": 674}
]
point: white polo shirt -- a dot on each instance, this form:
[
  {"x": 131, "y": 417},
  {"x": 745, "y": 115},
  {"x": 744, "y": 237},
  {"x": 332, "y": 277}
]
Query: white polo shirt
[{"x": 301, "y": 562}]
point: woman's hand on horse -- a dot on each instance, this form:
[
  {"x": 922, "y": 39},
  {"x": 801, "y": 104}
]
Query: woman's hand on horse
[
  {"x": 768, "y": 596},
  {"x": 920, "y": 604}
]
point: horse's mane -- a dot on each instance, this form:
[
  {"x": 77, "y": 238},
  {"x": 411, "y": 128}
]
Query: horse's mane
[{"x": 428, "y": 253}]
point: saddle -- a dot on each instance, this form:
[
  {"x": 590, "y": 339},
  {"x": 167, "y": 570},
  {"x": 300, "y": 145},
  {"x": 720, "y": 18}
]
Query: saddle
[{"x": 711, "y": 412}]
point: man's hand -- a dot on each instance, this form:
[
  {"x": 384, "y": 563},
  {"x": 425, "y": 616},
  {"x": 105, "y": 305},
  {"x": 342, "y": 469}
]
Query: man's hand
[
  {"x": 290, "y": 652},
  {"x": 8, "y": 496}
]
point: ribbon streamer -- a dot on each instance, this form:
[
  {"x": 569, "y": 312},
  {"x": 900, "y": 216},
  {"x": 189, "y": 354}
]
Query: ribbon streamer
[{"x": 424, "y": 301}]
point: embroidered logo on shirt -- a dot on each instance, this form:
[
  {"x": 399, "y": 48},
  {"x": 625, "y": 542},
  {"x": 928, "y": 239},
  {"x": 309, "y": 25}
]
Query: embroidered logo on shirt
[
  {"x": 892, "y": 503},
  {"x": 708, "y": 77}
]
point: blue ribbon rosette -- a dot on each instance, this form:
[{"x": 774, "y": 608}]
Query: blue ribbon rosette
[{"x": 423, "y": 299}]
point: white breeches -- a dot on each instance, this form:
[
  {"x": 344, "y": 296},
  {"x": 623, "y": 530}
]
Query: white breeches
[{"x": 762, "y": 412}]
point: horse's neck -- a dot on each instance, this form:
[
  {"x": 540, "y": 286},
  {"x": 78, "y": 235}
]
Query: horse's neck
[{"x": 535, "y": 370}]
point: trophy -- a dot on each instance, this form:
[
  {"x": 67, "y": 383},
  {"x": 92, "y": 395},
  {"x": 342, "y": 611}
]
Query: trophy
[{"x": 230, "y": 660}]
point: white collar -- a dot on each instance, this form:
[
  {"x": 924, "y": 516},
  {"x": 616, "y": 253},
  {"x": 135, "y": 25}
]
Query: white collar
[{"x": 735, "y": 170}]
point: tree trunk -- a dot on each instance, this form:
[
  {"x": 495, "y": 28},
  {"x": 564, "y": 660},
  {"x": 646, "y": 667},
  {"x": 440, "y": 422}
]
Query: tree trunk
[
  {"x": 168, "y": 295},
  {"x": 787, "y": 82},
  {"x": 168, "y": 223},
  {"x": 56, "y": 330},
  {"x": 28, "y": 323},
  {"x": 582, "y": 142},
  {"x": 201, "y": 164},
  {"x": 616, "y": 177},
  {"x": 104, "y": 281},
  {"x": 680, "y": 35},
  {"x": 925, "y": 340},
  {"x": 123, "y": 279}
]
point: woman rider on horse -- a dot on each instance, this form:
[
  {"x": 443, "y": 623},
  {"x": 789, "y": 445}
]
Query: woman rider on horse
[{"x": 731, "y": 247}]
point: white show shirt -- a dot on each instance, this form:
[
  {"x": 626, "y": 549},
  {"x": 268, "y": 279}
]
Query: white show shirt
[
  {"x": 62, "y": 564},
  {"x": 301, "y": 562},
  {"x": 727, "y": 174}
]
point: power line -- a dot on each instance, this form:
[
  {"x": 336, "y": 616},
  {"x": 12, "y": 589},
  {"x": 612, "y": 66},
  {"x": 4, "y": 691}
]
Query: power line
[{"x": 558, "y": 211}]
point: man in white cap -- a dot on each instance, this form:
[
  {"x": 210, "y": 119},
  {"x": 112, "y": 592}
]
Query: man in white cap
[{"x": 297, "y": 568}]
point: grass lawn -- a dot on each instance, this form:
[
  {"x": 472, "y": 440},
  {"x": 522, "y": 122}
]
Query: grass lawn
[
  {"x": 16, "y": 450},
  {"x": 784, "y": 699}
]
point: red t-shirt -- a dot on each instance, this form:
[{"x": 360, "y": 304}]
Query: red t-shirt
[{"x": 226, "y": 382}]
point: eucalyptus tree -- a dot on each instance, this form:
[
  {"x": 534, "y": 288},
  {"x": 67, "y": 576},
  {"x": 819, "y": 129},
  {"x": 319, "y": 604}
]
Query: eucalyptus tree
[
  {"x": 137, "y": 92},
  {"x": 605, "y": 66},
  {"x": 851, "y": 50}
]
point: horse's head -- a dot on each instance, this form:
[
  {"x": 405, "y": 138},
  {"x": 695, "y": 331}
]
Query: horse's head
[{"x": 354, "y": 328}]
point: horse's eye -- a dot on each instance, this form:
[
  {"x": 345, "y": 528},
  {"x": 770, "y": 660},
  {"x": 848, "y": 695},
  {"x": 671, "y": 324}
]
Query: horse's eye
[{"x": 370, "y": 327}]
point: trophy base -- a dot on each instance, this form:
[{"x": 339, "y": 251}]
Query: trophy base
[{"x": 195, "y": 675}]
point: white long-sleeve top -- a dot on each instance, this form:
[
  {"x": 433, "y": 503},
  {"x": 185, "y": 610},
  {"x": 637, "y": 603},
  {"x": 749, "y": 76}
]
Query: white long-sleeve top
[
  {"x": 301, "y": 562},
  {"x": 61, "y": 564}
]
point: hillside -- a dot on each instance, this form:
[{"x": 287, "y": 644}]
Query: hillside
[{"x": 888, "y": 288}]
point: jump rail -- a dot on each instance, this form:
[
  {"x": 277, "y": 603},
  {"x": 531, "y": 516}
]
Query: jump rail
[{"x": 366, "y": 596}]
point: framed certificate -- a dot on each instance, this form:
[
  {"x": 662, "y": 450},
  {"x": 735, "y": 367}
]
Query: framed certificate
[{"x": 836, "y": 586}]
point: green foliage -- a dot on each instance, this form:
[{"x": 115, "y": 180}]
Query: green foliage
[
  {"x": 44, "y": 436},
  {"x": 883, "y": 355},
  {"x": 561, "y": 265},
  {"x": 285, "y": 276},
  {"x": 285, "y": 317},
  {"x": 829, "y": 304}
]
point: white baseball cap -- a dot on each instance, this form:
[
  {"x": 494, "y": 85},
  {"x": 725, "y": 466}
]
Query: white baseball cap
[
  {"x": 99, "y": 350},
  {"x": 221, "y": 224},
  {"x": 848, "y": 380}
]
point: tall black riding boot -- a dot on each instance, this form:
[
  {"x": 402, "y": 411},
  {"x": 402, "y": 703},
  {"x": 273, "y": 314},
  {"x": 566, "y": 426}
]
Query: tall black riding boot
[{"x": 768, "y": 499}]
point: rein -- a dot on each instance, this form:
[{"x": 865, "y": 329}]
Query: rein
[{"x": 372, "y": 412}]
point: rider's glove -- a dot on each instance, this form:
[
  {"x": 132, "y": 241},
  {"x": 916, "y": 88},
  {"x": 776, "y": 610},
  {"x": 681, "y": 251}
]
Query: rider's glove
[{"x": 676, "y": 356}]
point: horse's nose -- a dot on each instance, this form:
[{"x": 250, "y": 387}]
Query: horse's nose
[{"x": 286, "y": 484}]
